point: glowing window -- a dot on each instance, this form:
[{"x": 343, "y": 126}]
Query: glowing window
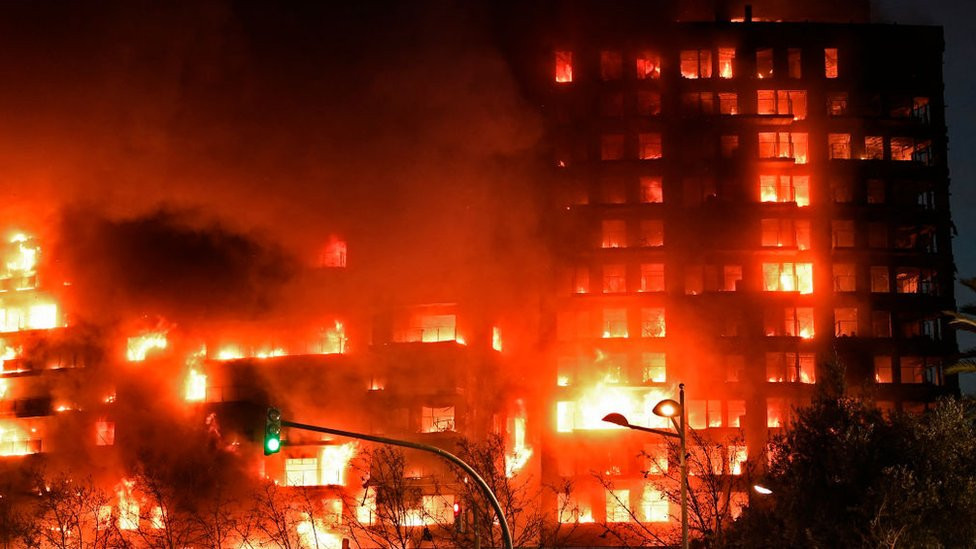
[
  {"x": 764, "y": 63},
  {"x": 730, "y": 144},
  {"x": 104, "y": 433},
  {"x": 649, "y": 146},
  {"x": 735, "y": 366},
  {"x": 651, "y": 233},
  {"x": 652, "y": 322},
  {"x": 845, "y": 279},
  {"x": 839, "y": 145},
  {"x": 614, "y": 279},
  {"x": 842, "y": 233},
  {"x": 794, "y": 62},
  {"x": 902, "y": 148},
  {"x": 837, "y": 104},
  {"x": 912, "y": 369},
  {"x": 655, "y": 459},
  {"x": 614, "y": 323},
  {"x": 920, "y": 110},
  {"x": 648, "y": 65},
  {"x": 651, "y": 190},
  {"x": 614, "y": 233},
  {"x": 652, "y": 277},
  {"x": 618, "y": 503},
  {"x": 654, "y": 505},
  {"x": 728, "y": 103},
  {"x": 775, "y": 413},
  {"x": 731, "y": 276},
  {"x": 334, "y": 254},
  {"x": 611, "y": 65},
  {"x": 612, "y": 147},
  {"x": 581, "y": 280},
  {"x": 648, "y": 103},
  {"x": 726, "y": 62},
  {"x": 883, "y": 371},
  {"x": 788, "y": 277},
  {"x": 564, "y": 66},
  {"x": 783, "y": 145},
  {"x": 907, "y": 280},
  {"x": 785, "y": 188},
  {"x": 302, "y": 472},
  {"x": 435, "y": 419},
  {"x": 782, "y": 102},
  {"x": 845, "y": 322},
  {"x": 879, "y": 280},
  {"x": 786, "y": 232},
  {"x": 703, "y": 414},
  {"x": 694, "y": 283},
  {"x": 737, "y": 411},
  {"x": 427, "y": 328},
  {"x": 653, "y": 367},
  {"x": 565, "y": 416},
  {"x": 737, "y": 456},
  {"x": 873, "y": 148},
  {"x": 696, "y": 63},
  {"x": 830, "y": 62},
  {"x": 798, "y": 322}
]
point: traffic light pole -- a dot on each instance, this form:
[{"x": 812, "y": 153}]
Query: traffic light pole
[{"x": 489, "y": 495}]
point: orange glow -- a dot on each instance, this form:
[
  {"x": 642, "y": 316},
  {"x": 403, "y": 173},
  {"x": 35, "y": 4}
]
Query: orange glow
[
  {"x": 229, "y": 352},
  {"x": 587, "y": 411},
  {"x": 668, "y": 410},
  {"x": 128, "y": 515},
  {"x": 139, "y": 346},
  {"x": 334, "y": 254},
  {"x": 313, "y": 533},
  {"x": 496, "y": 338},
  {"x": 334, "y": 461},
  {"x": 564, "y": 67},
  {"x": 41, "y": 315},
  {"x": 726, "y": 57},
  {"x": 15, "y": 441},
  {"x": 195, "y": 388},
  {"x": 520, "y": 453}
]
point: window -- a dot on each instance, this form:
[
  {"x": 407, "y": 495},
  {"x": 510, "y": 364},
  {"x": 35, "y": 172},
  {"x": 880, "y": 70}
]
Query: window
[
  {"x": 877, "y": 235},
  {"x": 837, "y": 103},
  {"x": 881, "y": 323},
  {"x": 907, "y": 149},
  {"x": 728, "y": 103},
  {"x": 612, "y": 147},
  {"x": 698, "y": 102},
  {"x": 613, "y": 191},
  {"x": 785, "y": 188},
  {"x": 618, "y": 503},
  {"x": 873, "y": 148},
  {"x": 652, "y": 277},
  {"x": 883, "y": 371},
  {"x": 654, "y": 505},
  {"x": 564, "y": 66},
  {"x": 786, "y": 232},
  {"x": 841, "y": 191},
  {"x": 652, "y": 322},
  {"x": 726, "y": 62},
  {"x": 426, "y": 328},
  {"x": 845, "y": 322},
  {"x": 830, "y": 62},
  {"x": 764, "y": 63},
  {"x": 334, "y": 254},
  {"x": 614, "y": 233},
  {"x": 615, "y": 366},
  {"x": 876, "y": 191},
  {"x": 611, "y": 65},
  {"x": 565, "y": 417},
  {"x": 436, "y": 419},
  {"x": 565, "y": 370},
  {"x": 651, "y": 232},
  {"x": 730, "y": 144},
  {"x": 791, "y": 367},
  {"x": 581, "y": 280},
  {"x": 920, "y": 110},
  {"x": 912, "y": 369},
  {"x": 614, "y": 279},
  {"x": 653, "y": 368},
  {"x": 737, "y": 411},
  {"x": 302, "y": 472},
  {"x": 731, "y": 276},
  {"x": 648, "y": 66},
  {"x": 735, "y": 367},
  {"x": 651, "y": 190},
  {"x": 696, "y": 63},
  {"x": 698, "y": 190},
  {"x": 788, "y": 277},
  {"x": 782, "y": 102},
  {"x": 842, "y": 233},
  {"x": 793, "y": 60},
  {"x": 648, "y": 103},
  {"x": 798, "y": 322},
  {"x": 783, "y": 145},
  {"x": 650, "y": 146},
  {"x": 104, "y": 433},
  {"x": 839, "y": 145},
  {"x": 694, "y": 283},
  {"x": 879, "y": 280},
  {"x": 655, "y": 459},
  {"x": 776, "y": 412},
  {"x": 845, "y": 279},
  {"x": 614, "y": 323}
]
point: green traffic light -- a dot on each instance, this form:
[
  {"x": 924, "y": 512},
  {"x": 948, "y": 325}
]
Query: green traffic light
[
  {"x": 273, "y": 444},
  {"x": 272, "y": 432}
]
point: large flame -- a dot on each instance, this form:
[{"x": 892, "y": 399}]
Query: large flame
[
  {"x": 335, "y": 460},
  {"x": 128, "y": 517},
  {"x": 141, "y": 345}
]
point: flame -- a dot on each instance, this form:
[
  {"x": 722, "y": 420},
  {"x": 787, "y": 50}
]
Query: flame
[
  {"x": 334, "y": 339},
  {"x": 196, "y": 386},
  {"x": 314, "y": 534},
  {"x": 521, "y": 452},
  {"x": 496, "y": 338},
  {"x": 14, "y": 441},
  {"x": 270, "y": 353},
  {"x": 128, "y": 508},
  {"x": 139, "y": 346},
  {"x": 587, "y": 411},
  {"x": 334, "y": 461}
]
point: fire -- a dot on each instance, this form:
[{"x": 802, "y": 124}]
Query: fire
[
  {"x": 128, "y": 518},
  {"x": 23, "y": 260},
  {"x": 139, "y": 346},
  {"x": 314, "y": 534},
  {"x": 14, "y": 441},
  {"x": 496, "y": 338},
  {"x": 521, "y": 452},
  {"x": 335, "y": 460},
  {"x": 230, "y": 352},
  {"x": 196, "y": 386},
  {"x": 587, "y": 411}
]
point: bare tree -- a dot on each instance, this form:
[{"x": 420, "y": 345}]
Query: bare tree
[
  {"x": 274, "y": 519},
  {"x": 74, "y": 514}
]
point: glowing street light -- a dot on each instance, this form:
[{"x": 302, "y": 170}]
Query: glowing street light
[
  {"x": 760, "y": 489},
  {"x": 670, "y": 409}
]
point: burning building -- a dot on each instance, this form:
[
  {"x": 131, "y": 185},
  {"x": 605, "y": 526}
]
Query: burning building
[{"x": 740, "y": 200}]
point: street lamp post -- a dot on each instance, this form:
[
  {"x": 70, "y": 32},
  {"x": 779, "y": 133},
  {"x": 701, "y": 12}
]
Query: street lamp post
[{"x": 669, "y": 409}]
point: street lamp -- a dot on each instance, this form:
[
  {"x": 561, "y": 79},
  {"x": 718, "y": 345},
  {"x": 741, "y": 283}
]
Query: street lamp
[{"x": 670, "y": 409}]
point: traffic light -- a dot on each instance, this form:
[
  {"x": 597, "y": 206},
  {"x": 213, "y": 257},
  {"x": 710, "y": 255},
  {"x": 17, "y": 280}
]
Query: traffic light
[
  {"x": 457, "y": 517},
  {"x": 272, "y": 432}
]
